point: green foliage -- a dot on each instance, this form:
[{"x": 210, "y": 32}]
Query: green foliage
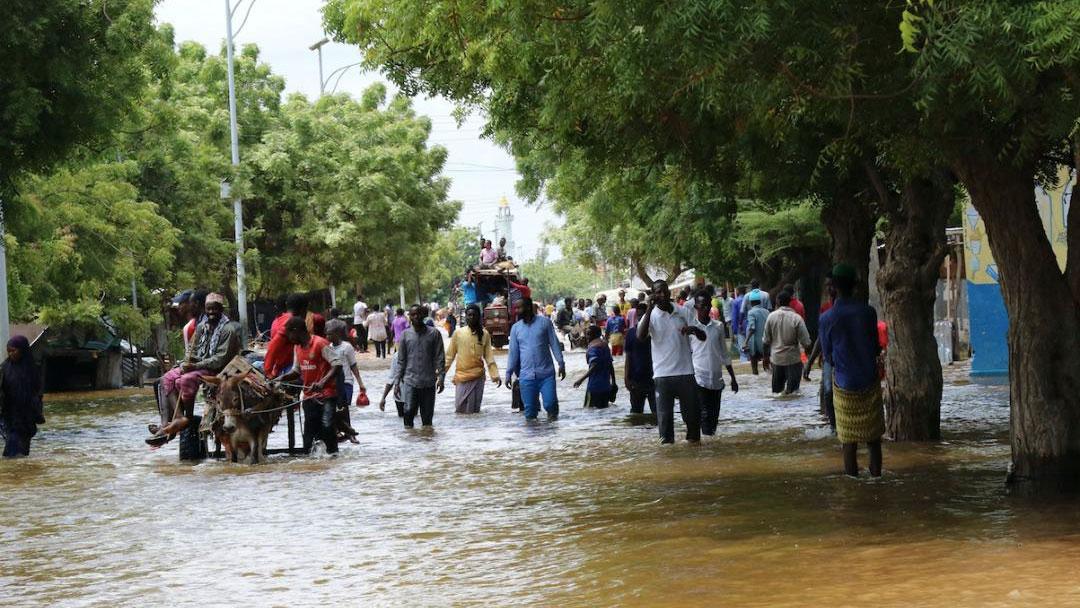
[
  {"x": 642, "y": 122},
  {"x": 345, "y": 192},
  {"x": 72, "y": 69},
  {"x": 551, "y": 280},
  {"x": 454, "y": 250},
  {"x": 786, "y": 233},
  {"x": 339, "y": 191},
  {"x": 78, "y": 238},
  {"x": 180, "y": 141},
  {"x": 910, "y": 23}
]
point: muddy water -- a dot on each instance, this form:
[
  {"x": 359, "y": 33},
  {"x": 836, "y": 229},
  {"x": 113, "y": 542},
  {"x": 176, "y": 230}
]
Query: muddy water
[{"x": 487, "y": 510}]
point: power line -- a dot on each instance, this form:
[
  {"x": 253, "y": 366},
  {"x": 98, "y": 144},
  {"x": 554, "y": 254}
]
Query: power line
[{"x": 479, "y": 165}]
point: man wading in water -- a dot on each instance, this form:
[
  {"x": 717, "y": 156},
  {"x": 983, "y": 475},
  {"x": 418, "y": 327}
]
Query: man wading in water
[
  {"x": 667, "y": 325},
  {"x": 532, "y": 344},
  {"x": 849, "y": 344},
  {"x": 710, "y": 358},
  {"x": 316, "y": 364},
  {"x": 420, "y": 367},
  {"x": 785, "y": 331},
  {"x": 471, "y": 347}
]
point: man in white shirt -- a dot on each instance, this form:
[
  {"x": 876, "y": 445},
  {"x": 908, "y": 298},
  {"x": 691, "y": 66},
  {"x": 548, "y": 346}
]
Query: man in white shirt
[
  {"x": 710, "y": 358},
  {"x": 669, "y": 326},
  {"x": 725, "y": 309},
  {"x": 785, "y": 331},
  {"x": 360, "y": 314},
  {"x": 598, "y": 311}
]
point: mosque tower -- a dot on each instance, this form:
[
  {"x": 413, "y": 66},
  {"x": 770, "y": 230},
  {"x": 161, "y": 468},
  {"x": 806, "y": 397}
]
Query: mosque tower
[{"x": 504, "y": 222}]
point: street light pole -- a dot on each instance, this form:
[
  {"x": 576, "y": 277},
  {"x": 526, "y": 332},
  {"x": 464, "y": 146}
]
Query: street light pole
[
  {"x": 238, "y": 212},
  {"x": 318, "y": 48}
]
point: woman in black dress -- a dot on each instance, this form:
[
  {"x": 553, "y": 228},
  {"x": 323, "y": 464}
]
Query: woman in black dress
[{"x": 20, "y": 398}]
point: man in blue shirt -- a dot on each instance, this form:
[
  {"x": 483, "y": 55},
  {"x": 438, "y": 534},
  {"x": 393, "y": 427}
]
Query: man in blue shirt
[
  {"x": 532, "y": 344},
  {"x": 849, "y": 343},
  {"x": 468, "y": 289},
  {"x": 738, "y": 318}
]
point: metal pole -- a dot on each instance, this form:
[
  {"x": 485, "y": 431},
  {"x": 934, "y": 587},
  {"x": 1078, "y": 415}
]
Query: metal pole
[
  {"x": 5, "y": 331},
  {"x": 238, "y": 212},
  {"x": 322, "y": 84},
  {"x": 134, "y": 296}
]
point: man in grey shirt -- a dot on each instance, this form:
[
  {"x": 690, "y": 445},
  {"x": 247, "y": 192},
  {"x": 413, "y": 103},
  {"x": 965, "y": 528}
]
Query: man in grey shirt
[
  {"x": 785, "y": 331},
  {"x": 420, "y": 367}
]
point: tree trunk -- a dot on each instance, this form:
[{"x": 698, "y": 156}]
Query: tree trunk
[
  {"x": 812, "y": 273},
  {"x": 907, "y": 284},
  {"x": 850, "y": 220},
  {"x": 1044, "y": 326}
]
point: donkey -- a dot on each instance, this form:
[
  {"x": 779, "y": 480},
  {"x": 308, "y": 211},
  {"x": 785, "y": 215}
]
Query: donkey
[{"x": 248, "y": 412}]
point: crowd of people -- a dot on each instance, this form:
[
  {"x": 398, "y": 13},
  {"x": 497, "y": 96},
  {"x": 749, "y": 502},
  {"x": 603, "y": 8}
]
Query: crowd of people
[
  {"x": 675, "y": 347},
  {"x": 679, "y": 348}
]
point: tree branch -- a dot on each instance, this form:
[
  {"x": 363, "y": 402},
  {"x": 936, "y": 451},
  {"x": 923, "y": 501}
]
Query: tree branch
[
  {"x": 888, "y": 202},
  {"x": 676, "y": 270},
  {"x": 639, "y": 269},
  {"x": 815, "y": 92}
]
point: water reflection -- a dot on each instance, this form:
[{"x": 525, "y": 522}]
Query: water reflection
[{"x": 489, "y": 510}]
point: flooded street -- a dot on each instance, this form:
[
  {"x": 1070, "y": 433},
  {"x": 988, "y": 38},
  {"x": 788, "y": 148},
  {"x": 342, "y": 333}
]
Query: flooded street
[{"x": 487, "y": 510}]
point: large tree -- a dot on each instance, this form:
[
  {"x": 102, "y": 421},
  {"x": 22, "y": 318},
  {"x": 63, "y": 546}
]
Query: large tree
[
  {"x": 346, "y": 192},
  {"x": 73, "y": 70},
  {"x": 988, "y": 93},
  {"x": 997, "y": 84},
  {"x": 324, "y": 182}
]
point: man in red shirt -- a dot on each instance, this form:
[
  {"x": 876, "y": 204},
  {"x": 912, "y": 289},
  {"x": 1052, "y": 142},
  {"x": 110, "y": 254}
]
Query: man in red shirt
[
  {"x": 796, "y": 304},
  {"x": 523, "y": 287},
  {"x": 279, "y": 351},
  {"x": 315, "y": 364}
]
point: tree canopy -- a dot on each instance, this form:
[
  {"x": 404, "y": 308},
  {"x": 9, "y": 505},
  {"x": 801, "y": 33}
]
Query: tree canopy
[
  {"x": 73, "y": 70},
  {"x": 339, "y": 191}
]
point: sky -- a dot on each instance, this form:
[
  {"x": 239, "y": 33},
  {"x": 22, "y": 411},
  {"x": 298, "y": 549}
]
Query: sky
[{"x": 481, "y": 172}]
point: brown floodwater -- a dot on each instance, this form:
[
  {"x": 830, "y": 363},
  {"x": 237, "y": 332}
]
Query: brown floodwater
[{"x": 488, "y": 510}]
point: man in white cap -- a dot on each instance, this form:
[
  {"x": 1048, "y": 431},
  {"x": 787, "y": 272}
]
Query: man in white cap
[{"x": 215, "y": 343}]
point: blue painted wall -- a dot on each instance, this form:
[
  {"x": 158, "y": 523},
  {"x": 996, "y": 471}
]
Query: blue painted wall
[{"x": 989, "y": 330}]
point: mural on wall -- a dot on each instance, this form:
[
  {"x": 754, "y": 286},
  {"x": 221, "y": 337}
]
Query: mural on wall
[
  {"x": 1053, "y": 211},
  {"x": 989, "y": 321}
]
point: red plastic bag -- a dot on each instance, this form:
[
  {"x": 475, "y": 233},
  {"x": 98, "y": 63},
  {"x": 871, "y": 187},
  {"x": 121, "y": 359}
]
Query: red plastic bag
[{"x": 362, "y": 399}]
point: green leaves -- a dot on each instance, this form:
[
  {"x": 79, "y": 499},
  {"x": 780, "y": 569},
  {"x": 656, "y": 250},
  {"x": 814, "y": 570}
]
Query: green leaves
[
  {"x": 72, "y": 70},
  {"x": 80, "y": 236},
  {"x": 350, "y": 184},
  {"x": 911, "y": 23}
]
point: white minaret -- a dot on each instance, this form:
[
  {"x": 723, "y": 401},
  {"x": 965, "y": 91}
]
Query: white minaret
[{"x": 504, "y": 222}]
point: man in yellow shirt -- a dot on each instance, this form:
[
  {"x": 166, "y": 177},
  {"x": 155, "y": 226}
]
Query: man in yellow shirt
[
  {"x": 624, "y": 306},
  {"x": 471, "y": 346}
]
